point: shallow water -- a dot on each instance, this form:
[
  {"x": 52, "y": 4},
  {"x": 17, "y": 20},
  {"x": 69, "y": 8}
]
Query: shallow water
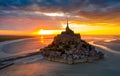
[{"x": 36, "y": 66}]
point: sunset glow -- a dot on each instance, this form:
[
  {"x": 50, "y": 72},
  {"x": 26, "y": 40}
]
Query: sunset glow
[
  {"x": 59, "y": 37},
  {"x": 48, "y": 32},
  {"x": 50, "y": 18},
  {"x": 44, "y": 32},
  {"x": 11, "y": 32}
]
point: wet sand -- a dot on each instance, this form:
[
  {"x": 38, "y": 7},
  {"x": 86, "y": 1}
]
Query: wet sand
[
  {"x": 18, "y": 47},
  {"x": 112, "y": 44}
]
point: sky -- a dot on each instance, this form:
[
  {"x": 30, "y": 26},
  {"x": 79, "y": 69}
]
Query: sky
[{"x": 93, "y": 17}]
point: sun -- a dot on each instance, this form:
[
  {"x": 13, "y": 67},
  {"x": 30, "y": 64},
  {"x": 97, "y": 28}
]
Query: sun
[
  {"x": 48, "y": 32},
  {"x": 44, "y": 32}
]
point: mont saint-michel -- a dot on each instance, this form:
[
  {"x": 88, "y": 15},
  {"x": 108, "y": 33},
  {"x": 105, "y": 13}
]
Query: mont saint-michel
[{"x": 69, "y": 48}]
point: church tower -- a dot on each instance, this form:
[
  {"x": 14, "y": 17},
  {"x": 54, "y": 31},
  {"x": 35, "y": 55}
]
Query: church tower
[
  {"x": 68, "y": 30},
  {"x": 67, "y": 27}
]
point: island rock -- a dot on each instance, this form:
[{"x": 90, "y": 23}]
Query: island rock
[{"x": 69, "y": 48}]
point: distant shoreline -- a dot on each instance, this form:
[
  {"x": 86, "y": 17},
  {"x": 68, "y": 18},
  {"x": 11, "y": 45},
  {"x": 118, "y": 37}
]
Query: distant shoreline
[{"x": 13, "y": 37}]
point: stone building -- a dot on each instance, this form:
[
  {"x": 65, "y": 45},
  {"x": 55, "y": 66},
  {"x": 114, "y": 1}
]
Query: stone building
[{"x": 69, "y": 45}]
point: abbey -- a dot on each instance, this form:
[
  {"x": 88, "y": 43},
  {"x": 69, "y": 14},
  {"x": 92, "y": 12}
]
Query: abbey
[{"x": 69, "y": 48}]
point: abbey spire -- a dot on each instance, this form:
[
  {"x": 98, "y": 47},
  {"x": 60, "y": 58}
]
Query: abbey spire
[
  {"x": 67, "y": 27},
  {"x": 68, "y": 30}
]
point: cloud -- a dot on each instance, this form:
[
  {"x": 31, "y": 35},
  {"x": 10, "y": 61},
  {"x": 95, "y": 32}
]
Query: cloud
[
  {"x": 17, "y": 19},
  {"x": 56, "y": 5},
  {"x": 74, "y": 7},
  {"x": 52, "y": 13}
]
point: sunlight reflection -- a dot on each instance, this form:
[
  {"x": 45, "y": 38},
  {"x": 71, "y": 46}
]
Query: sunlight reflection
[
  {"x": 32, "y": 69},
  {"x": 109, "y": 40},
  {"x": 45, "y": 39},
  {"x": 42, "y": 39}
]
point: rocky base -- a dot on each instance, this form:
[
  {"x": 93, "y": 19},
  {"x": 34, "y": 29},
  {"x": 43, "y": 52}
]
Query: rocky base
[{"x": 84, "y": 60}]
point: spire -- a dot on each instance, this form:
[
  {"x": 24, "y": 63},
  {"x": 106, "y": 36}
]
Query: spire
[
  {"x": 67, "y": 28},
  {"x": 67, "y": 23}
]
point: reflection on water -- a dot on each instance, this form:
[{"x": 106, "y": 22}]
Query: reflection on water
[
  {"x": 109, "y": 40},
  {"x": 26, "y": 46},
  {"x": 42, "y": 39},
  {"x": 40, "y": 68},
  {"x": 45, "y": 40}
]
